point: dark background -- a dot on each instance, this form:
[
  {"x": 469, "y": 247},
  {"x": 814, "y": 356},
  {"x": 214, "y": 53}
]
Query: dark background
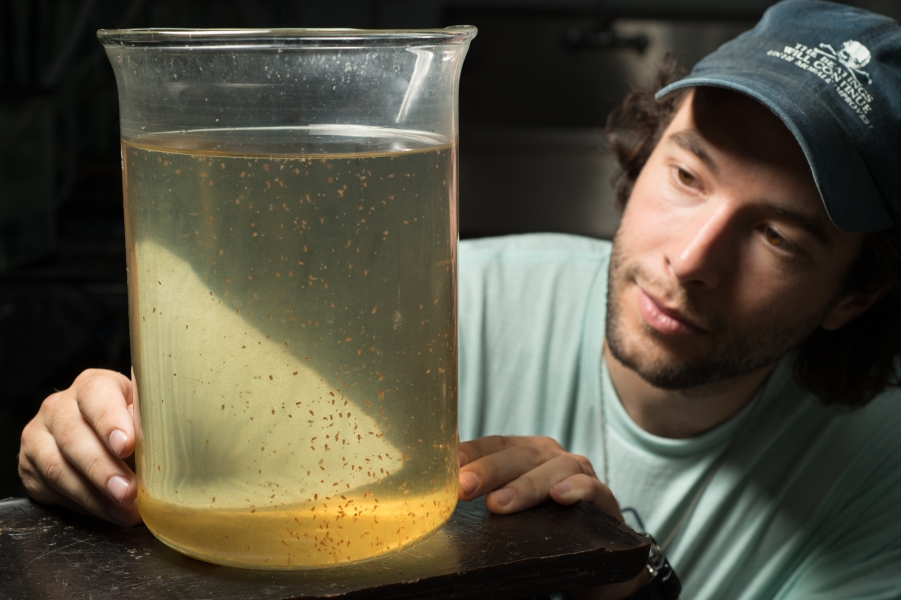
[{"x": 532, "y": 158}]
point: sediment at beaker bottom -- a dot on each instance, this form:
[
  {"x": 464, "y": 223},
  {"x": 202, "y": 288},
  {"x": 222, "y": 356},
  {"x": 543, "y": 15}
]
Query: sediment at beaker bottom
[{"x": 295, "y": 537}]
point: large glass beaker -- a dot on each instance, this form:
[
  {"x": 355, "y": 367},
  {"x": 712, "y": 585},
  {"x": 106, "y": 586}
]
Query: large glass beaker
[{"x": 291, "y": 230}]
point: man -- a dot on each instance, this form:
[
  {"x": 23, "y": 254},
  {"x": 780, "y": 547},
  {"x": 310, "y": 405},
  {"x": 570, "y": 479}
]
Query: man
[{"x": 752, "y": 283}]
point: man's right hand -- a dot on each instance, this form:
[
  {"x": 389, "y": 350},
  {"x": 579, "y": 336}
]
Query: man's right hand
[{"x": 72, "y": 452}]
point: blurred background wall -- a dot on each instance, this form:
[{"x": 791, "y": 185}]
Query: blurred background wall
[{"x": 537, "y": 86}]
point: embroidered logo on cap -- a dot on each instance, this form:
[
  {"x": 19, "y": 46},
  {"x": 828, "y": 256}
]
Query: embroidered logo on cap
[
  {"x": 843, "y": 69},
  {"x": 854, "y": 56}
]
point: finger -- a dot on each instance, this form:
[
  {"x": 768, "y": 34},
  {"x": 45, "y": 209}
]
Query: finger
[
  {"x": 123, "y": 516},
  {"x": 475, "y": 449},
  {"x": 589, "y": 489},
  {"x": 499, "y": 468},
  {"x": 42, "y": 492},
  {"x": 104, "y": 399},
  {"x": 51, "y": 479},
  {"x": 78, "y": 445},
  {"x": 532, "y": 487}
]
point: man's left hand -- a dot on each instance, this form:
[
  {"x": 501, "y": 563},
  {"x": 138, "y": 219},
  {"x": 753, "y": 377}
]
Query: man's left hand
[{"x": 518, "y": 473}]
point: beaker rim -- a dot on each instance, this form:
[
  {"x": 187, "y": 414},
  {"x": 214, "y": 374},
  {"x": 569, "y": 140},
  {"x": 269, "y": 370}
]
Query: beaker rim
[{"x": 160, "y": 37}]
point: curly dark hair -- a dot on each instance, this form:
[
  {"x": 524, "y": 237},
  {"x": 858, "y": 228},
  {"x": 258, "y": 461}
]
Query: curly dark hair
[{"x": 847, "y": 367}]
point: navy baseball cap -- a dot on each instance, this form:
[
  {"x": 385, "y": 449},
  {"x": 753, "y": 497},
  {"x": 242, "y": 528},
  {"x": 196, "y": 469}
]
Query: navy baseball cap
[{"x": 832, "y": 74}]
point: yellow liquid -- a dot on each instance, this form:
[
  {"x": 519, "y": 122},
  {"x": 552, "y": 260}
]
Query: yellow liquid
[
  {"x": 294, "y": 348},
  {"x": 346, "y": 528}
]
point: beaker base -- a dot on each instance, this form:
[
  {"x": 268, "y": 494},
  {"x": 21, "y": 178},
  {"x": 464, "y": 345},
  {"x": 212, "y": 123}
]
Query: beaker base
[{"x": 295, "y": 537}]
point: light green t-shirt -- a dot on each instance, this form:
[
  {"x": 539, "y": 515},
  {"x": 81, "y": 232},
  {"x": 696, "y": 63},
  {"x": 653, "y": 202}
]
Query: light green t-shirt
[{"x": 806, "y": 502}]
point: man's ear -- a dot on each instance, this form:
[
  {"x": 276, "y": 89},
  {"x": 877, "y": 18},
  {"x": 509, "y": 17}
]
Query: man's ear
[{"x": 850, "y": 307}]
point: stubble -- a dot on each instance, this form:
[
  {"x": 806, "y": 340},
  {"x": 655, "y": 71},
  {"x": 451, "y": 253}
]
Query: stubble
[{"x": 733, "y": 349}]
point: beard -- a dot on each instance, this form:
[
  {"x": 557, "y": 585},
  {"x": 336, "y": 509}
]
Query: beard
[{"x": 734, "y": 349}]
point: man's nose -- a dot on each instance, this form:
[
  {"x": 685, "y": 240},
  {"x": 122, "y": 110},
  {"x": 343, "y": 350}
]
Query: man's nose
[{"x": 702, "y": 253}]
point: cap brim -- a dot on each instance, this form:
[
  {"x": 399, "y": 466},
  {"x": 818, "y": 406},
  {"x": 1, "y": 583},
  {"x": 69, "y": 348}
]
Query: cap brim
[{"x": 853, "y": 203}]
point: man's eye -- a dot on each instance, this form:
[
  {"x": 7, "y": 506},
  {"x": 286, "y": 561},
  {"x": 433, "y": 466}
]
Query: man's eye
[
  {"x": 773, "y": 237},
  {"x": 685, "y": 178}
]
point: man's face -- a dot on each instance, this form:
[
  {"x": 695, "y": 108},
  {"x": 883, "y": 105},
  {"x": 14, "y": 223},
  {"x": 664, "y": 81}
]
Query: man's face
[{"x": 725, "y": 258}]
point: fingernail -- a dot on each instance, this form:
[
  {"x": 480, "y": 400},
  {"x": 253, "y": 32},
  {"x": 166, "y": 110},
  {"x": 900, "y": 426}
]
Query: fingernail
[
  {"x": 469, "y": 481},
  {"x": 463, "y": 460},
  {"x": 564, "y": 486},
  {"x": 117, "y": 487},
  {"x": 503, "y": 496},
  {"x": 117, "y": 441},
  {"x": 120, "y": 514}
]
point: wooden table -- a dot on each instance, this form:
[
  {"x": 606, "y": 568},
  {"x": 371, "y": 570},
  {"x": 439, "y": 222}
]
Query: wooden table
[{"x": 51, "y": 553}]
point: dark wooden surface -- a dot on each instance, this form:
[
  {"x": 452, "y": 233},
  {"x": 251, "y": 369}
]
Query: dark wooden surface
[{"x": 50, "y": 553}]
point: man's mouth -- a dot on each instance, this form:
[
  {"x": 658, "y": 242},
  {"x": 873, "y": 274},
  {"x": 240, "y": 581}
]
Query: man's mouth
[{"x": 666, "y": 320}]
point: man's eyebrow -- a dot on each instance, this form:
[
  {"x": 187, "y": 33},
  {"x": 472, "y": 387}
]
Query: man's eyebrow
[
  {"x": 813, "y": 224},
  {"x": 691, "y": 141}
]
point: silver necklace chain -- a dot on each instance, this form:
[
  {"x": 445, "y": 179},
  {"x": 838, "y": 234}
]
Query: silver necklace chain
[{"x": 716, "y": 466}]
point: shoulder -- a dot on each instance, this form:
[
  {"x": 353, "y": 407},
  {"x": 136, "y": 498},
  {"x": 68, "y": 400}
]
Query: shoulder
[
  {"x": 531, "y": 313},
  {"x": 533, "y": 248},
  {"x": 531, "y": 273},
  {"x": 851, "y": 459},
  {"x": 877, "y": 426},
  {"x": 845, "y": 489},
  {"x": 862, "y": 439}
]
